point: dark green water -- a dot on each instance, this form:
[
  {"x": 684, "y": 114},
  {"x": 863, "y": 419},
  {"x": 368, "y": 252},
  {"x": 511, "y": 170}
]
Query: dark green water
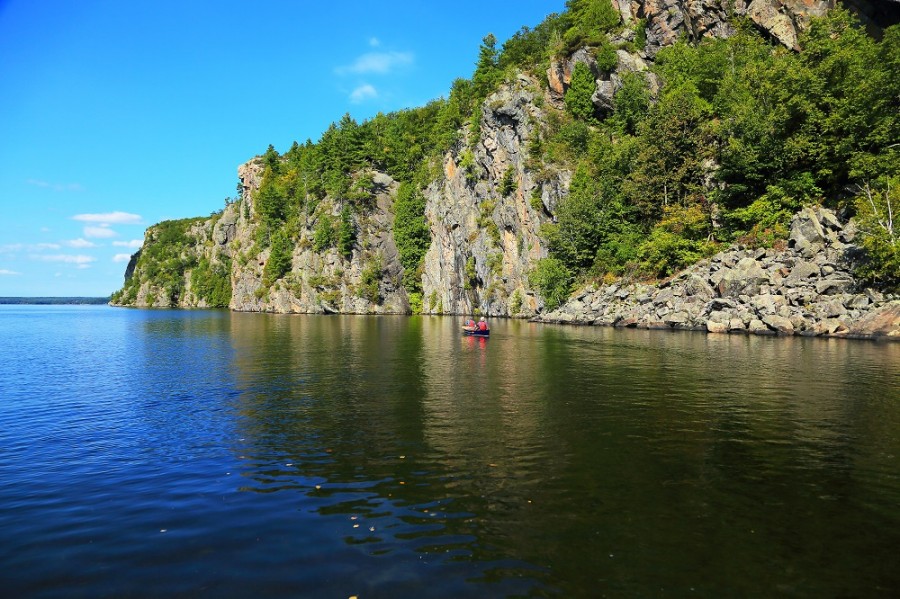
[{"x": 151, "y": 453}]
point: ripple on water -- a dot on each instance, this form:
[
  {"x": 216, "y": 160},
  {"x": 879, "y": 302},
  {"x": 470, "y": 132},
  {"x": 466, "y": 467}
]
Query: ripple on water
[{"x": 162, "y": 453}]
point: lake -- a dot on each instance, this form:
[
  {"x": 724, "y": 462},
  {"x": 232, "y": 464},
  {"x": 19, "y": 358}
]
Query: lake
[{"x": 190, "y": 453}]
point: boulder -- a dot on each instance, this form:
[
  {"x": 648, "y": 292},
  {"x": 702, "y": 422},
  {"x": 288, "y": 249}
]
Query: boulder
[
  {"x": 758, "y": 327},
  {"x": 736, "y": 325},
  {"x": 780, "y": 324},
  {"x": 716, "y": 327},
  {"x": 744, "y": 279},
  {"x": 767, "y": 15},
  {"x": 800, "y": 273},
  {"x": 834, "y": 285},
  {"x": 883, "y": 322},
  {"x": 807, "y": 235}
]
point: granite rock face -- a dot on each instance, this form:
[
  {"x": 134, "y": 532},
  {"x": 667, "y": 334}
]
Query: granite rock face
[
  {"x": 485, "y": 237},
  {"x": 805, "y": 289}
]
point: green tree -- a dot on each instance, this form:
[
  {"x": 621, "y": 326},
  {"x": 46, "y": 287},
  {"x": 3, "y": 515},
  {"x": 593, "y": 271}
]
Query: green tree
[
  {"x": 554, "y": 281},
  {"x": 212, "y": 283},
  {"x": 674, "y": 144},
  {"x": 271, "y": 199},
  {"x": 411, "y": 233},
  {"x": 581, "y": 89},
  {"x": 272, "y": 159},
  {"x": 347, "y": 233},
  {"x": 589, "y": 21},
  {"x": 323, "y": 235},
  {"x": 280, "y": 257},
  {"x": 631, "y": 103},
  {"x": 487, "y": 72},
  {"x": 878, "y": 206}
]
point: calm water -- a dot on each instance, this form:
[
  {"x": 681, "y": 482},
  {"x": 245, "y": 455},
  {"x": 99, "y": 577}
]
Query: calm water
[{"x": 166, "y": 453}]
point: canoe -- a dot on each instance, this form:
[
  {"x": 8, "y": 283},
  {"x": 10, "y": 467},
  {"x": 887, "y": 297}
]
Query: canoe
[{"x": 476, "y": 332}]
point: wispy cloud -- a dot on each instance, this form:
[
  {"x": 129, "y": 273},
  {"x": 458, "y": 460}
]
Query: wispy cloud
[
  {"x": 103, "y": 232},
  {"x": 12, "y": 248},
  {"x": 79, "y": 260},
  {"x": 80, "y": 243},
  {"x": 121, "y": 257},
  {"x": 56, "y": 186},
  {"x": 381, "y": 63},
  {"x": 8, "y": 273},
  {"x": 134, "y": 243},
  {"x": 362, "y": 93},
  {"x": 374, "y": 42},
  {"x": 110, "y": 218}
]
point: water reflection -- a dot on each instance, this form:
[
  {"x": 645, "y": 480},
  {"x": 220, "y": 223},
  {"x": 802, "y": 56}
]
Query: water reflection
[{"x": 580, "y": 459}]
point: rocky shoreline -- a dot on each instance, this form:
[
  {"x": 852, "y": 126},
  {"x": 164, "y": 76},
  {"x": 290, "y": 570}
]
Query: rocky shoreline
[{"x": 806, "y": 289}]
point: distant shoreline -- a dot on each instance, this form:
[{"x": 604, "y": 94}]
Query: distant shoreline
[{"x": 44, "y": 301}]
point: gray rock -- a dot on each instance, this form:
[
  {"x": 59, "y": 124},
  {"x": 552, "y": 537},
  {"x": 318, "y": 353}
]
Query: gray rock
[
  {"x": 744, "y": 279},
  {"x": 716, "y": 327},
  {"x": 737, "y": 325},
  {"x": 800, "y": 273},
  {"x": 834, "y": 285},
  {"x": 780, "y": 324}
]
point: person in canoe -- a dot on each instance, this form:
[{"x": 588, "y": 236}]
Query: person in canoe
[{"x": 480, "y": 328}]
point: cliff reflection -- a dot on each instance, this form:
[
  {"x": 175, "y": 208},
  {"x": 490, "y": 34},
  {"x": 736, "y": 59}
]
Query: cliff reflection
[{"x": 541, "y": 452}]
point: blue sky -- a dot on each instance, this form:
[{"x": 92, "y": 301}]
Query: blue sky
[{"x": 118, "y": 114}]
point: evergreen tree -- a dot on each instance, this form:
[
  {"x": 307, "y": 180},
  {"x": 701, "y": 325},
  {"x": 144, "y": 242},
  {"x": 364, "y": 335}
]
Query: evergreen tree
[
  {"x": 411, "y": 233},
  {"x": 347, "y": 233},
  {"x": 487, "y": 73},
  {"x": 581, "y": 90},
  {"x": 279, "y": 262}
]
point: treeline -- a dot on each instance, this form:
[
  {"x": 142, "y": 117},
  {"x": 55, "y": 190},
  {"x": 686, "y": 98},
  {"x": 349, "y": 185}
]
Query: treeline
[{"x": 53, "y": 301}]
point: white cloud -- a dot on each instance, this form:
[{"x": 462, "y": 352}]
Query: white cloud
[
  {"x": 374, "y": 42},
  {"x": 47, "y": 246},
  {"x": 80, "y": 243},
  {"x": 103, "y": 231},
  {"x": 362, "y": 93},
  {"x": 4, "y": 272},
  {"x": 134, "y": 243},
  {"x": 80, "y": 260},
  {"x": 121, "y": 257},
  {"x": 381, "y": 63},
  {"x": 110, "y": 218},
  {"x": 9, "y": 248},
  {"x": 56, "y": 186}
]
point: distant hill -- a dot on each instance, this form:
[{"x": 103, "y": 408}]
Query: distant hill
[{"x": 53, "y": 300}]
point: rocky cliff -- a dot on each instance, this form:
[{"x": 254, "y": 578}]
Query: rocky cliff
[
  {"x": 485, "y": 238},
  {"x": 484, "y": 216},
  {"x": 486, "y": 205}
]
